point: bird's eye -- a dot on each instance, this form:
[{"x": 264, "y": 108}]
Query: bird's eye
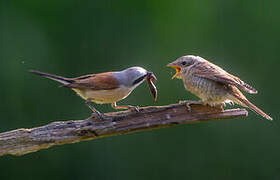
[{"x": 184, "y": 63}]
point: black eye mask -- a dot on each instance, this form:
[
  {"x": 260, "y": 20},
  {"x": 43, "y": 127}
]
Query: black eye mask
[{"x": 139, "y": 79}]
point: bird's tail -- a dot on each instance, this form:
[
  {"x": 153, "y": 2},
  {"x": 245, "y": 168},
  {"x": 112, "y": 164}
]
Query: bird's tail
[
  {"x": 254, "y": 108},
  {"x": 60, "y": 79},
  {"x": 246, "y": 87}
]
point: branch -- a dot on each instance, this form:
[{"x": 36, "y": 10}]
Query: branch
[{"x": 23, "y": 141}]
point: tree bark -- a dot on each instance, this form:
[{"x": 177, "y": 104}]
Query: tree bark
[{"x": 23, "y": 141}]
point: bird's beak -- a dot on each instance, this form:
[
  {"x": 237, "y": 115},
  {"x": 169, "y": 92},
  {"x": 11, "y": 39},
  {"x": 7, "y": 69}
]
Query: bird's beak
[{"x": 177, "y": 68}]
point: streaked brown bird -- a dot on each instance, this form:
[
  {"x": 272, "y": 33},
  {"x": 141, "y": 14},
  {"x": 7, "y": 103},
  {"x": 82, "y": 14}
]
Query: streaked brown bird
[
  {"x": 107, "y": 87},
  {"x": 213, "y": 85}
]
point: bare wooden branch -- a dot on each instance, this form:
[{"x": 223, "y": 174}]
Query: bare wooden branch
[{"x": 23, "y": 141}]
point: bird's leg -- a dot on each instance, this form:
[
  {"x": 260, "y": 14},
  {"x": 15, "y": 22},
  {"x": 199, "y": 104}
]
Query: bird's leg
[
  {"x": 188, "y": 103},
  {"x": 220, "y": 106},
  {"x": 93, "y": 109},
  {"x": 134, "y": 108}
]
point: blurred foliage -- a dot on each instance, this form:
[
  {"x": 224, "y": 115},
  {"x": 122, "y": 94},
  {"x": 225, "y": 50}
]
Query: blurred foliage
[{"x": 73, "y": 38}]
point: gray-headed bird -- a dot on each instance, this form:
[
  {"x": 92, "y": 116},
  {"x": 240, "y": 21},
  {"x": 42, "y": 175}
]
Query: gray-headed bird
[{"x": 107, "y": 87}]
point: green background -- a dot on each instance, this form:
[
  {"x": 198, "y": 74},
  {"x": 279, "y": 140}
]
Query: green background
[{"x": 73, "y": 38}]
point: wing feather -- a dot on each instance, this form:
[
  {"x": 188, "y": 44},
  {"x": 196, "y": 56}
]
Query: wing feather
[
  {"x": 101, "y": 81},
  {"x": 211, "y": 71}
]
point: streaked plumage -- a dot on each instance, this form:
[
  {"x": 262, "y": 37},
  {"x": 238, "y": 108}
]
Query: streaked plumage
[{"x": 213, "y": 85}]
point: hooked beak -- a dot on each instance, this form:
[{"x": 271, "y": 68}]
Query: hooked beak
[{"x": 177, "y": 68}]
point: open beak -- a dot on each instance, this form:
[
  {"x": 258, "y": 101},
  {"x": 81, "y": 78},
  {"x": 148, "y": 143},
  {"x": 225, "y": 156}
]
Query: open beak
[
  {"x": 151, "y": 79},
  {"x": 177, "y": 68}
]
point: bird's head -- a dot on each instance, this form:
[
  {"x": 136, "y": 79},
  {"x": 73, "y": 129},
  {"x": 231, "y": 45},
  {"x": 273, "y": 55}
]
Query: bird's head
[
  {"x": 134, "y": 76},
  {"x": 183, "y": 63}
]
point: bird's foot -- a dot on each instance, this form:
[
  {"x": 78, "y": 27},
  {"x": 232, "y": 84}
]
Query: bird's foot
[
  {"x": 188, "y": 103},
  {"x": 94, "y": 111},
  {"x": 133, "y": 108},
  {"x": 129, "y": 107},
  {"x": 100, "y": 117},
  {"x": 220, "y": 107}
]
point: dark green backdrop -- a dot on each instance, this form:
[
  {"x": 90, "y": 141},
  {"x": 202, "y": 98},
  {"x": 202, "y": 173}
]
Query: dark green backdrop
[{"x": 72, "y": 38}]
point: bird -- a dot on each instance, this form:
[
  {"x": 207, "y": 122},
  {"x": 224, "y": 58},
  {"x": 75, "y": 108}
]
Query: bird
[
  {"x": 212, "y": 84},
  {"x": 106, "y": 87}
]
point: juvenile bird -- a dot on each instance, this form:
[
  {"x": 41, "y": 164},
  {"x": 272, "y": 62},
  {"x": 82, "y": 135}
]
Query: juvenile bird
[
  {"x": 213, "y": 85},
  {"x": 107, "y": 87}
]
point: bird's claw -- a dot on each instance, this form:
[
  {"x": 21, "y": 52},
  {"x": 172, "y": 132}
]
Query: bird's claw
[
  {"x": 220, "y": 107},
  {"x": 188, "y": 103},
  {"x": 133, "y": 108},
  {"x": 99, "y": 115}
]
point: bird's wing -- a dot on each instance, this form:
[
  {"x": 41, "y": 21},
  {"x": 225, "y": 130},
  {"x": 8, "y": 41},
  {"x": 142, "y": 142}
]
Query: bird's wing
[
  {"x": 215, "y": 73},
  {"x": 101, "y": 81}
]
